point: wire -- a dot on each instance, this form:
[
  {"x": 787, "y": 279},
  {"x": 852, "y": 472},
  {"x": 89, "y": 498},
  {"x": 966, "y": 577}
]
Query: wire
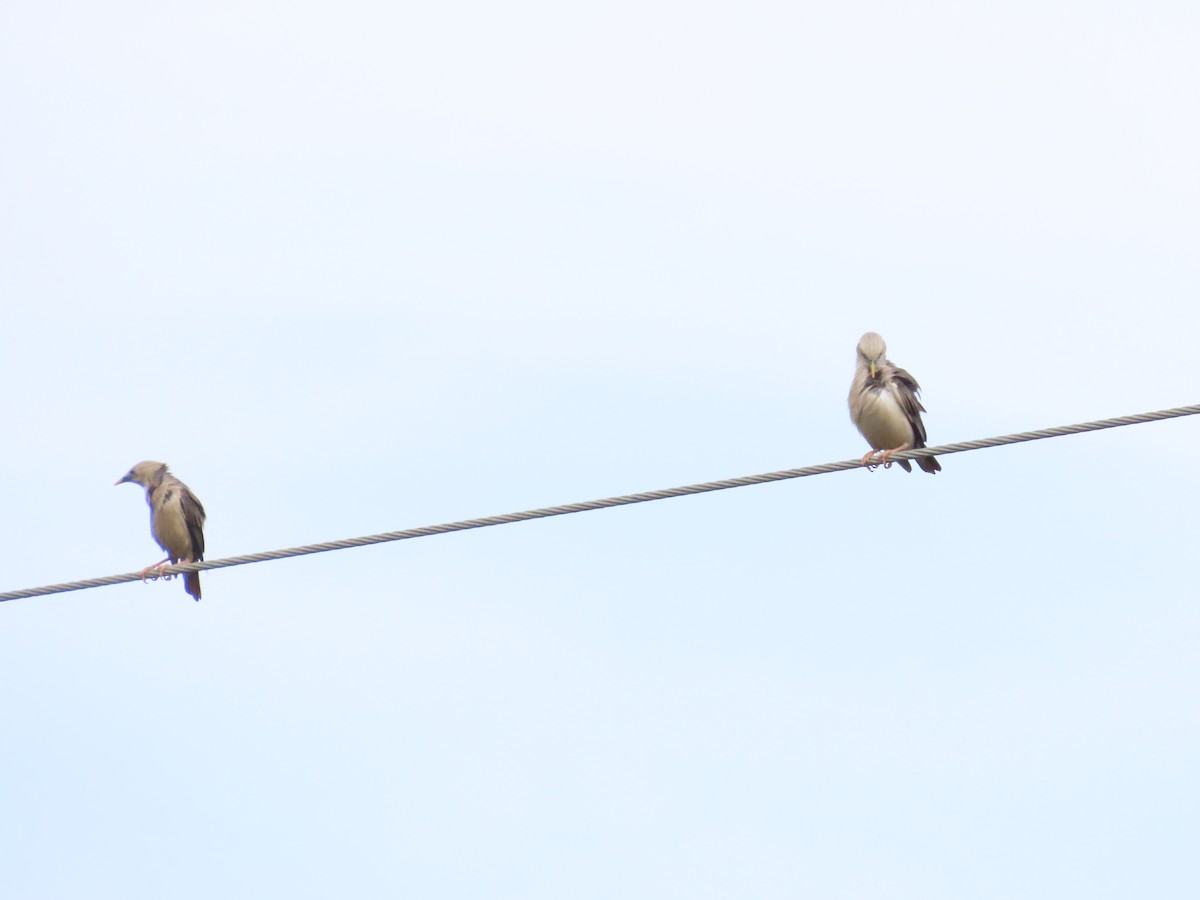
[{"x": 623, "y": 500}]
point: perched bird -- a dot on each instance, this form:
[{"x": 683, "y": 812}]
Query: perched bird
[
  {"x": 884, "y": 406},
  {"x": 176, "y": 519}
]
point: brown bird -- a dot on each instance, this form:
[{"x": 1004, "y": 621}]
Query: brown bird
[
  {"x": 884, "y": 406},
  {"x": 176, "y": 519}
]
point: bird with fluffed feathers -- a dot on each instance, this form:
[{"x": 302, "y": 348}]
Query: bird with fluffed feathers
[{"x": 885, "y": 408}]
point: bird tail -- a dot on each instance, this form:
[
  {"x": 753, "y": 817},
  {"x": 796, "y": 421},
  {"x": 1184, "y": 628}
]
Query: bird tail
[
  {"x": 927, "y": 463},
  {"x": 191, "y": 583}
]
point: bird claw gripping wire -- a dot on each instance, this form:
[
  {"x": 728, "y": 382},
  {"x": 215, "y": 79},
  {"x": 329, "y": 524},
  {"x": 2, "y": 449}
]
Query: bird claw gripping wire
[
  {"x": 872, "y": 463},
  {"x": 155, "y": 572}
]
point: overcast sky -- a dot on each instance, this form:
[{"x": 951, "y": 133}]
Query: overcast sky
[{"x": 357, "y": 267}]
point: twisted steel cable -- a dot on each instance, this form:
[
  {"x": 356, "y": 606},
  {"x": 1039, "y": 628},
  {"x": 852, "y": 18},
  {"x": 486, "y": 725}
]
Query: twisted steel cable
[{"x": 622, "y": 500}]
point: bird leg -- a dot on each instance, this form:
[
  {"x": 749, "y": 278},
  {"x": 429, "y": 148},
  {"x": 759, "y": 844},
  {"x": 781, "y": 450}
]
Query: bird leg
[
  {"x": 868, "y": 460},
  {"x": 154, "y": 572},
  {"x": 887, "y": 463}
]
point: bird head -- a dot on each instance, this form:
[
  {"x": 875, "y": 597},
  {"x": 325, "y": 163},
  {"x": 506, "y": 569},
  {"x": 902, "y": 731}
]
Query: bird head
[
  {"x": 144, "y": 473},
  {"x": 872, "y": 350}
]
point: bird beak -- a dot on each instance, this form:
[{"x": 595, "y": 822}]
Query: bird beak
[
  {"x": 121, "y": 480},
  {"x": 872, "y": 368}
]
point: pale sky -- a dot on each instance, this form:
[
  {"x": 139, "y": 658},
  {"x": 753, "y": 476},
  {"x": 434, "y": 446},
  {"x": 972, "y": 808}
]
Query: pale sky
[{"x": 358, "y": 267}]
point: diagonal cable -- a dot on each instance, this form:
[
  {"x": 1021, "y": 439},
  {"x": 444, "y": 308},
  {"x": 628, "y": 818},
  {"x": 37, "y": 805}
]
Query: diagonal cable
[{"x": 622, "y": 500}]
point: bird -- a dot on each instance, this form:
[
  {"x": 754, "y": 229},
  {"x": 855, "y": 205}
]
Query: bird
[
  {"x": 176, "y": 519},
  {"x": 885, "y": 408}
]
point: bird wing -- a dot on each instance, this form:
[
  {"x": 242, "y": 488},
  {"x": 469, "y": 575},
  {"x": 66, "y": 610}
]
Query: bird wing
[
  {"x": 905, "y": 389},
  {"x": 193, "y": 520}
]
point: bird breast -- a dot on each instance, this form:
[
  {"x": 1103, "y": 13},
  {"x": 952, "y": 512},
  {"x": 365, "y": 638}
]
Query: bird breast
[{"x": 883, "y": 422}]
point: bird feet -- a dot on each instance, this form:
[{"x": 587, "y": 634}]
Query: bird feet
[
  {"x": 155, "y": 572},
  {"x": 883, "y": 458},
  {"x": 872, "y": 464}
]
